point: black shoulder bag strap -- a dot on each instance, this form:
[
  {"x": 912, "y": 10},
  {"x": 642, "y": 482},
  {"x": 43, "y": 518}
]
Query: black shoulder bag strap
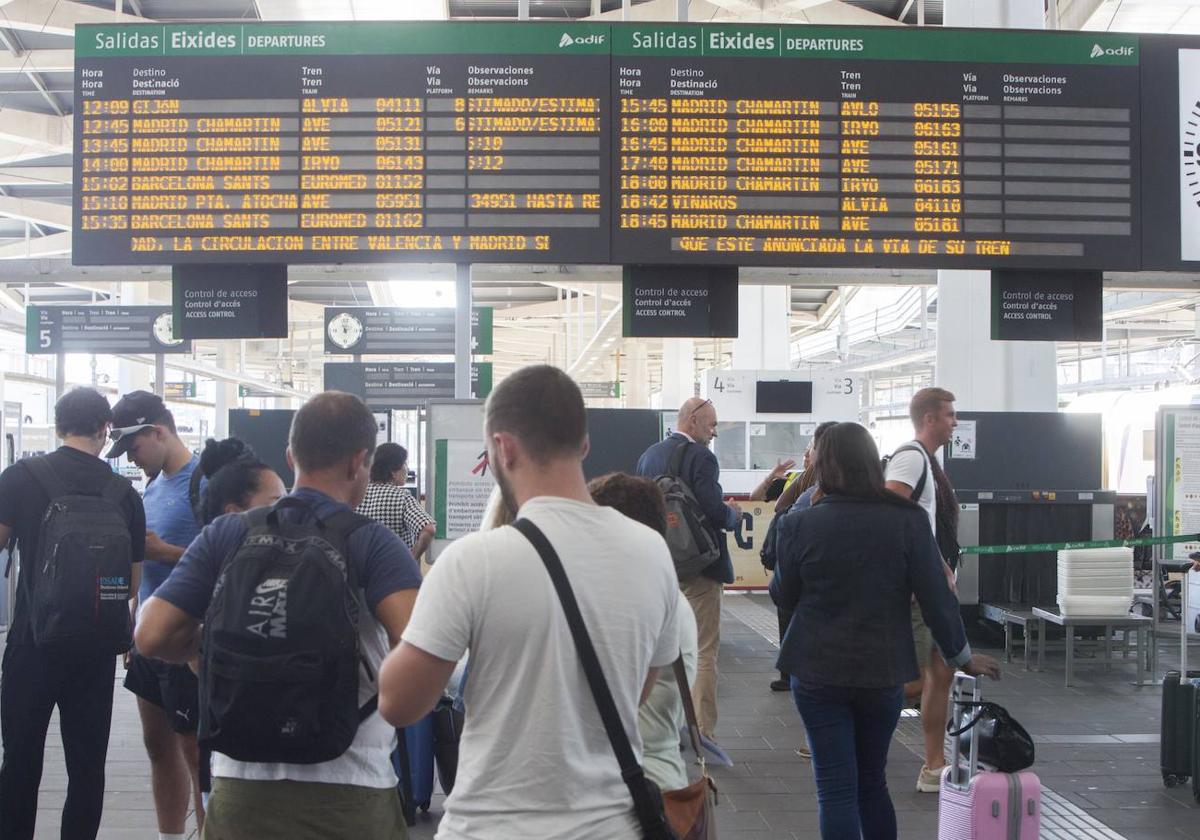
[
  {"x": 920, "y": 488},
  {"x": 342, "y": 524},
  {"x": 675, "y": 462},
  {"x": 115, "y": 489},
  {"x": 45, "y": 475},
  {"x": 649, "y": 812}
]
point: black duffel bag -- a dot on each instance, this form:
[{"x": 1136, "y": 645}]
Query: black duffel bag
[{"x": 1003, "y": 743}]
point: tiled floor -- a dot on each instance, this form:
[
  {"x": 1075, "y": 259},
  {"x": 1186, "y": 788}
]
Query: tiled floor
[{"x": 1097, "y": 754}]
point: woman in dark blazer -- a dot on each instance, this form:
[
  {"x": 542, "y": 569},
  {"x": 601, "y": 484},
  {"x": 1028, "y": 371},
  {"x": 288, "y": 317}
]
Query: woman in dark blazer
[{"x": 848, "y": 568}]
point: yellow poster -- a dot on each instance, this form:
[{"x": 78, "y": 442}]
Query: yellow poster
[{"x": 744, "y": 545}]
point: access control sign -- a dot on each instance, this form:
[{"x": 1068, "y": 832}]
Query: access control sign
[{"x": 1047, "y": 305}]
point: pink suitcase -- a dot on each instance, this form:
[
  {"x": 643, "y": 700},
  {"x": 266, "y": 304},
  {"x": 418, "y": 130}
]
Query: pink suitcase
[{"x": 978, "y": 805}]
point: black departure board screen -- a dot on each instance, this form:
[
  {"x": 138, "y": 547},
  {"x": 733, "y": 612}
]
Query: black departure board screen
[
  {"x": 341, "y": 142},
  {"x": 831, "y": 146},
  {"x": 650, "y": 144}
]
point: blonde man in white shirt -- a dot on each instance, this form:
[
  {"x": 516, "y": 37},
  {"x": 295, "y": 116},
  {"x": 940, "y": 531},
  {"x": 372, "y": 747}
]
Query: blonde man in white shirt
[{"x": 915, "y": 473}]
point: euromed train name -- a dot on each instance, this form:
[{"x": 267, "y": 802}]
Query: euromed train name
[{"x": 722, "y": 41}]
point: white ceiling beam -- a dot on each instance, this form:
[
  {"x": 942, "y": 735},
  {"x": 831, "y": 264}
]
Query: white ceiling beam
[
  {"x": 58, "y": 17},
  {"x": 56, "y": 244},
  {"x": 25, "y": 135},
  {"x": 37, "y": 212},
  {"x": 1073, "y": 14},
  {"x": 38, "y": 61},
  {"x": 35, "y": 176},
  {"x": 51, "y": 100},
  {"x": 740, "y": 6}
]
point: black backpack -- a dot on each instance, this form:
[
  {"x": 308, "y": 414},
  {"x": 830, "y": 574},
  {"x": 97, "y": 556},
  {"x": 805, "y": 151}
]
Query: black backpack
[
  {"x": 690, "y": 538},
  {"x": 910, "y": 447},
  {"x": 85, "y": 564},
  {"x": 281, "y": 651},
  {"x": 195, "y": 498}
]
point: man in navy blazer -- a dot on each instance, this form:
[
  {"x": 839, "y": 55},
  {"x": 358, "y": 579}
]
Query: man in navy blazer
[{"x": 695, "y": 428}]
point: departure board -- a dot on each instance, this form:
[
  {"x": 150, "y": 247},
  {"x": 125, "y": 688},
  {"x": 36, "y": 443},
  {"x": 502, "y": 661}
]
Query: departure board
[
  {"x": 341, "y": 142},
  {"x": 830, "y": 146},
  {"x": 631, "y": 144}
]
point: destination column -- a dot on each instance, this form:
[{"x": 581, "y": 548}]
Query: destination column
[{"x": 213, "y": 175}]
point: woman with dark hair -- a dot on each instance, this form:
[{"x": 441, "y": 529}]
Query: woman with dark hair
[
  {"x": 237, "y": 480},
  {"x": 660, "y": 716},
  {"x": 387, "y": 501},
  {"x": 796, "y": 496},
  {"x": 847, "y": 568}
]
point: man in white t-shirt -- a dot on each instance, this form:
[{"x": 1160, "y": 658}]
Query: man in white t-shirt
[
  {"x": 913, "y": 472},
  {"x": 534, "y": 760}
]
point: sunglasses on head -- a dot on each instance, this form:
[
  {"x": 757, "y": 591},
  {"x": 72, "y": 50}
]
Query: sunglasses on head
[
  {"x": 116, "y": 434},
  {"x": 697, "y": 408}
]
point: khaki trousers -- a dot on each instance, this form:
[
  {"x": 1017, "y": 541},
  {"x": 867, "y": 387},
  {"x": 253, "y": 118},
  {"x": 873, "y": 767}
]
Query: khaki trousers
[
  {"x": 704, "y": 594},
  {"x": 241, "y": 809}
]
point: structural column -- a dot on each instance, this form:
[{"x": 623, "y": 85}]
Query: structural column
[
  {"x": 133, "y": 376},
  {"x": 988, "y": 375},
  {"x": 678, "y": 371},
  {"x": 763, "y": 340},
  {"x": 226, "y": 392},
  {"x": 462, "y": 332},
  {"x": 637, "y": 376}
]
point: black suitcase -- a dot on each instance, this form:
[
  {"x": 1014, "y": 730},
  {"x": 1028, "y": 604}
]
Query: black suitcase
[{"x": 1176, "y": 748}]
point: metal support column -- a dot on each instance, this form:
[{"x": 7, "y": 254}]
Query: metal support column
[
  {"x": 60, "y": 376},
  {"x": 462, "y": 332}
]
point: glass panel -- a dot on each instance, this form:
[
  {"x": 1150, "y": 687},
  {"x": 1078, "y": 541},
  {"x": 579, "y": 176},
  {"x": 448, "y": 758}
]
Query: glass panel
[
  {"x": 730, "y": 446},
  {"x": 771, "y": 443}
]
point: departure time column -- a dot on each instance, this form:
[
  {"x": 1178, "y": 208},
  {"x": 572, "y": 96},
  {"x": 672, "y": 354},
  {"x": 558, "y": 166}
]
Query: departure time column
[
  {"x": 104, "y": 164},
  {"x": 644, "y": 162}
]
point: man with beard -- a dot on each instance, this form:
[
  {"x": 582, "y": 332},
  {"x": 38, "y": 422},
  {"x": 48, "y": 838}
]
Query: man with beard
[{"x": 534, "y": 760}]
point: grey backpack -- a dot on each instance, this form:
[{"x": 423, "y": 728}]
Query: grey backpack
[{"x": 689, "y": 536}]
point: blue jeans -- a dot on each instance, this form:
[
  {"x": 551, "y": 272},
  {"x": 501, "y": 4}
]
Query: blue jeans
[{"x": 849, "y": 731}]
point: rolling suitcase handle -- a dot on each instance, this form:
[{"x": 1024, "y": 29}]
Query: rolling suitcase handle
[{"x": 960, "y": 776}]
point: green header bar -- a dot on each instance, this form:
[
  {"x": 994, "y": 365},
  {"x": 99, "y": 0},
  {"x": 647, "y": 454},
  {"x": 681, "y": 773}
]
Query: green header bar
[
  {"x": 1028, "y": 548},
  {"x": 894, "y": 43},
  {"x": 343, "y": 38},
  {"x": 731, "y": 40}
]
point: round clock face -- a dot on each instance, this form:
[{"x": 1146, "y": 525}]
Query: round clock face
[
  {"x": 345, "y": 330},
  {"x": 1191, "y": 151},
  {"x": 163, "y": 333}
]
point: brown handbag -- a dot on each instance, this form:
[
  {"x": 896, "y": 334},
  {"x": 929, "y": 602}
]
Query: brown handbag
[{"x": 690, "y": 810}]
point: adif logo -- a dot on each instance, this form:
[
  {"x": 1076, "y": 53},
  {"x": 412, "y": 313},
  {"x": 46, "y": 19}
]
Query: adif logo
[
  {"x": 587, "y": 40},
  {"x": 1099, "y": 51}
]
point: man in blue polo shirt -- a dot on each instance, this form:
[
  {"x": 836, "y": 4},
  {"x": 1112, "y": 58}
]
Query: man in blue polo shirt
[
  {"x": 168, "y": 695},
  {"x": 353, "y": 796}
]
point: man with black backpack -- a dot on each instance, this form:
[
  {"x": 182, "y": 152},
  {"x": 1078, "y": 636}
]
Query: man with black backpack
[
  {"x": 915, "y": 473},
  {"x": 80, "y": 530},
  {"x": 167, "y": 695},
  {"x": 299, "y": 604},
  {"x": 688, "y": 473}
]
